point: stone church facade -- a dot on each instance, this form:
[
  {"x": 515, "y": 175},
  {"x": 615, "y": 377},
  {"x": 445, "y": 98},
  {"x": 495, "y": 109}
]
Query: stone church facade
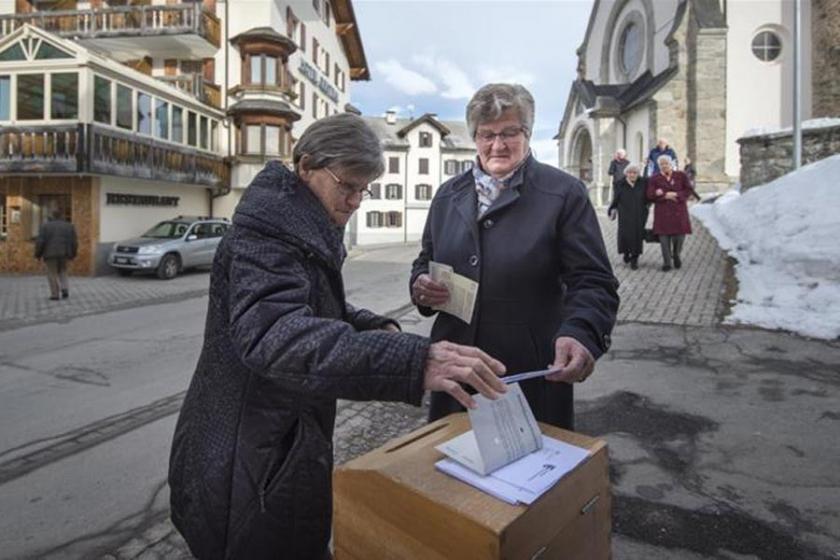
[{"x": 697, "y": 72}]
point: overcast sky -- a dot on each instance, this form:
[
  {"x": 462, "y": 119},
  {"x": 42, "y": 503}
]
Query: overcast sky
[{"x": 429, "y": 56}]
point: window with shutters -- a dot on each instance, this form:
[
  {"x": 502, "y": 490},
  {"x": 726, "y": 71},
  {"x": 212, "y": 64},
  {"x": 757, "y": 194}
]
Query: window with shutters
[
  {"x": 466, "y": 165},
  {"x": 423, "y": 166},
  {"x": 375, "y": 191},
  {"x": 425, "y": 140},
  {"x": 374, "y": 219},
  {"x": 393, "y": 165},
  {"x": 423, "y": 192},
  {"x": 393, "y": 219},
  {"x": 393, "y": 191},
  {"x": 451, "y": 167}
]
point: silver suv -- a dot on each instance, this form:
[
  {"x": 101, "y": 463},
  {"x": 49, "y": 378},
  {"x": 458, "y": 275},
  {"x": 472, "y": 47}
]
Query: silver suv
[{"x": 170, "y": 247}]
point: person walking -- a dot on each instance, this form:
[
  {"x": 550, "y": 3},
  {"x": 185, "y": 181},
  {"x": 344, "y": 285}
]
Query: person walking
[
  {"x": 617, "y": 166},
  {"x": 630, "y": 205},
  {"x": 661, "y": 149},
  {"x": 669, "y": 192},
  {"x": 527, "y": 233},
  {"x": 251, "y": 464},
  {"x": 56, "y": 244}
]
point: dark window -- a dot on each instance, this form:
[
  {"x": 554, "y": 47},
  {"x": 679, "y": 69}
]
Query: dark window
[
  {"x": 767, "y": 46},
  {"x": 425, "y": 140},
  {"x": 15, "y": 52},
  {"x": 423, "y": 192},
  {"x": 192, "y": 129},
  {"x": 125, "y": 107},
  {"x": 393, "y": 219},
  {"x": 314, "y": 105},
  {"x": 450, "y": 166},
  {"x": 393, "y": 165},
  {"x": 214, "y": 135},
  {"x": 302, "y": 37},
  {"x": 631, "y": 48},
  {"x": 217, "y": 230},
  {"x": 177, "y": 124},
  {"x": 101, "y": 100},
  {"x": 374, "y": 219},
  {"x": 315, "y": 51},
  {"x": 5, "y": 99},
  {"x": 161, "y": 119},
  {"x": 203, "y": 133},
  {"x": 375, "y": 190},
  {"x": 327, "y": 12},
  {"x": 393, "y": 191},
  {"x": 144, "y": 113},
  {"x": 302, "y": 98},
  {"x": 46, "y": 51},
  {"x": 30, "y": 96},
  {"x": 424, "y": 166}
]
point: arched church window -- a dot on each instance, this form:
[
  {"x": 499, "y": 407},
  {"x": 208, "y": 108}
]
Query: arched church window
[
  {"x": 766, "y": 46},
  {"x": 630, "y": 48}
]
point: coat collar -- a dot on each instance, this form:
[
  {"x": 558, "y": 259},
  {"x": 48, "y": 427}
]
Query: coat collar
[{"x": 277, "y": 203}]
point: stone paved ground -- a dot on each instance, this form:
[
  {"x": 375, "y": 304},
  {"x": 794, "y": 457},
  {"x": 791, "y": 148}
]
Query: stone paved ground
[{"x": 690, "y": 296}]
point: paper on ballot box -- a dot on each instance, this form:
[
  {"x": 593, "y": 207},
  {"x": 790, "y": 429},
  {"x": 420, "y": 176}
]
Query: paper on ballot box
[{"x": 462, "y": 291}]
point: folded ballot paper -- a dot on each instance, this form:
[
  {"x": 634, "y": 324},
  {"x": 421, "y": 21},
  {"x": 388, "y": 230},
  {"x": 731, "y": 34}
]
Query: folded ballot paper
[
  {"x": 462, "y": 291},
  {"x": 505, "y": 455}
]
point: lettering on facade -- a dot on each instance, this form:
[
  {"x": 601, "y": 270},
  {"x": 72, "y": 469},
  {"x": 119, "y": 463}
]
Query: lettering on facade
[
  {"x": 141, "y": 199},
  {"x": 321, "y": 82}
]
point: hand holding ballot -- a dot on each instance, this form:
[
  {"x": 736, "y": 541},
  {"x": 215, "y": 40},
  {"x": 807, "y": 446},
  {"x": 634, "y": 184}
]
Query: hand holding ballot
[
  {"x": 449, "y": 364},
  {"x": 445, "y": 290}
]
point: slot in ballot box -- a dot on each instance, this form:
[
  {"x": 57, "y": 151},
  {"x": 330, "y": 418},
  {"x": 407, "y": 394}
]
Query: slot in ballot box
[{"x": 393, "y": 504}]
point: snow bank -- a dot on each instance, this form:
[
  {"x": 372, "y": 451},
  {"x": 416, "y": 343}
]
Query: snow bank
[{"x": 786, "y": 238}]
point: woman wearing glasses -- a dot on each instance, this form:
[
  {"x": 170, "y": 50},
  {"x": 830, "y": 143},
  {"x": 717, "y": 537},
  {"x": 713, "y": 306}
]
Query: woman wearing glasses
[
  {"x": 251, "y": 461},
  {"x": 527, "y": 233}
]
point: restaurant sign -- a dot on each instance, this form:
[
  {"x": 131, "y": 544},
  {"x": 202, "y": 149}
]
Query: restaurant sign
[{"x": 320, "y": 81}]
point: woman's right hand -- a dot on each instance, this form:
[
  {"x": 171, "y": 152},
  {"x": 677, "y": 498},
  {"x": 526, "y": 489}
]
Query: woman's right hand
[
  {"x": 449, "y": 364},
  {"x": 428, "y": 293}
]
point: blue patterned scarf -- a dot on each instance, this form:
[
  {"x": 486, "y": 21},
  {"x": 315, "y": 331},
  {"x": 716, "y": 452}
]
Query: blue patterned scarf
[{"x": 488, "y": 187}]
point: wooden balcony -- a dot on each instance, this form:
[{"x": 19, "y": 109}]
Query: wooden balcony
[
  {"x": 197, "y": 86},
  {"x": 88, "y": 149},
  {"x": 144, "y": 27}
]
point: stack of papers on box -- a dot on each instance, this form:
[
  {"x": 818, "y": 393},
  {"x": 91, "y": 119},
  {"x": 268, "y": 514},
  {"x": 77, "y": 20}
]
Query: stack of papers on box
[{"x": 505, "y": 454}]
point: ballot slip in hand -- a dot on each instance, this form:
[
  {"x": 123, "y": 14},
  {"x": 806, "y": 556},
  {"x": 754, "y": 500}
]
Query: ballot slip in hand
[{"x": 462, "y": 291}]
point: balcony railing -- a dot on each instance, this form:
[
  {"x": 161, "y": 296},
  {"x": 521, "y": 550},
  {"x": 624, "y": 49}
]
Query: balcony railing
[
  {"x": 93, "y": 149},
  {"x": 121, "y": 21},
  {"x": 197, "y": 86}
]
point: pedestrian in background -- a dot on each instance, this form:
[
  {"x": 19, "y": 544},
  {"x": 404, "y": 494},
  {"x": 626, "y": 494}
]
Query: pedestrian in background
[
  {"x": 56, "y": 244},
  {"x": 251, "y": 465},
  {"x": 669, "y": 192},
  {"x": 528, "y": 233},
  {"x": 661, "y": 149},
  {"x": 617, "y": 166},
  {"x": 691, "y": 173},
  {"x": 630, "y": 205}
]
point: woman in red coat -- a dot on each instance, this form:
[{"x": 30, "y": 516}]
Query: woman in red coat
[{"x": 669, "y": 191}]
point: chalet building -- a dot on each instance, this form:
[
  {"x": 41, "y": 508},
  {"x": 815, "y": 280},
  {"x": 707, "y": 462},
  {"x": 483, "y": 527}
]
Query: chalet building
[
  {"x": 123, "y": 113},
  {"x": 420, "y": 154}
]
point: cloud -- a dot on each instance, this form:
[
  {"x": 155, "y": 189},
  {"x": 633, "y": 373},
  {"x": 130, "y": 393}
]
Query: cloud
[
  {"x": 506, "y": 74},
  {"x": 405, "y": 80},
  {"x": 456, "y": 83},
  {"x": 545, "y": 150}
]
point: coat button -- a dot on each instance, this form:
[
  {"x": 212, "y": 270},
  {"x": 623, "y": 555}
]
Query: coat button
[
  {"x": 488, "y": 224},
  {"x": 474, "y": 260}
]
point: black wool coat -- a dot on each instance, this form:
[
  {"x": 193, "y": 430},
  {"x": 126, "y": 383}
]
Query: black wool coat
[
  {"x": 251, "y": 463},
  {"x": 56, "y": 240},
  {"x": 543, "y": 272},
  {"x": 632, "y": 205}
]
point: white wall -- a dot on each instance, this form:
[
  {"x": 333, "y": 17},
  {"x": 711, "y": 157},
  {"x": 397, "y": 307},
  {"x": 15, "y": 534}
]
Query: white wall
[
  {"x": 760, "y": 94},
  {"x": 117, "y": 222},
  {"x": 638, "y": 122}
]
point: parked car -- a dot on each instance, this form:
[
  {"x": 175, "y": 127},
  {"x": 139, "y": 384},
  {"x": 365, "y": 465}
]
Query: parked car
[{"x": 170, "y": 247}]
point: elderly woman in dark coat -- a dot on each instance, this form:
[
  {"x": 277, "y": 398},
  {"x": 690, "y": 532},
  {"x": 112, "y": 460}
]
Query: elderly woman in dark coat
[
  {"x": 630, "y": 204},
  {"x": 527, "y": 233},
  {"x": 669, "y": 192},
  {"x": 251, "y": 465}
]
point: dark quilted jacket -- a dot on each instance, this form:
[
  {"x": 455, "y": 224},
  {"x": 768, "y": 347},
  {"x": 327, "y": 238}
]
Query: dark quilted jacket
[
  {"x": 56, "y": 240},
  {"x": 251, "y": 464}
]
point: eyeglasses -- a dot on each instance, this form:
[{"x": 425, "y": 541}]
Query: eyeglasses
[
  {"x": 506, "y": 135},
  {"x": 347, "y": 189}
]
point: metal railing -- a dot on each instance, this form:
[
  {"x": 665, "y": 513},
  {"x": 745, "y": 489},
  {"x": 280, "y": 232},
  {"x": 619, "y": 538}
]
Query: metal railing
[
  {"x": 121, "y": 21},
  {"x": 195, "y": 85}
]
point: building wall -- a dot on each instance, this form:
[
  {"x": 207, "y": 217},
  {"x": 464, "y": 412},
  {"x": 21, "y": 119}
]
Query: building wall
[
  {"x": 17, "y": 250},
  {"x": 760, "y": 94},
  {"x": 825, "y": 33}
]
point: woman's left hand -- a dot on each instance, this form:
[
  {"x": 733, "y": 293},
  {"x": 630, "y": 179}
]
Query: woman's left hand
[{"x": 573, "y": 358}]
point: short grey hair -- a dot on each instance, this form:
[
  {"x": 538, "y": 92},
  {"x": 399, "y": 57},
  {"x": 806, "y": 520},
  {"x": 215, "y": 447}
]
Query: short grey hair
[
  {"x": 344, "y": 141},
  {"x": 633, "y": 167},
  {"x": 492, "y": 100},
  {"x": 664, "y": 157}
]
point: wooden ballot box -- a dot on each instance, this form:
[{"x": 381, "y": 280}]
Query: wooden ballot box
[{"x": 393, "y": 504}]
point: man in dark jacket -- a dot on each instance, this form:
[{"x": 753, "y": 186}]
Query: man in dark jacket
[
  {"x": 251, "y": 465},
  {"x": 56, "y": 244},
  {"x": 527, "y": 233},
  {"x": 661, "y": 149}
]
